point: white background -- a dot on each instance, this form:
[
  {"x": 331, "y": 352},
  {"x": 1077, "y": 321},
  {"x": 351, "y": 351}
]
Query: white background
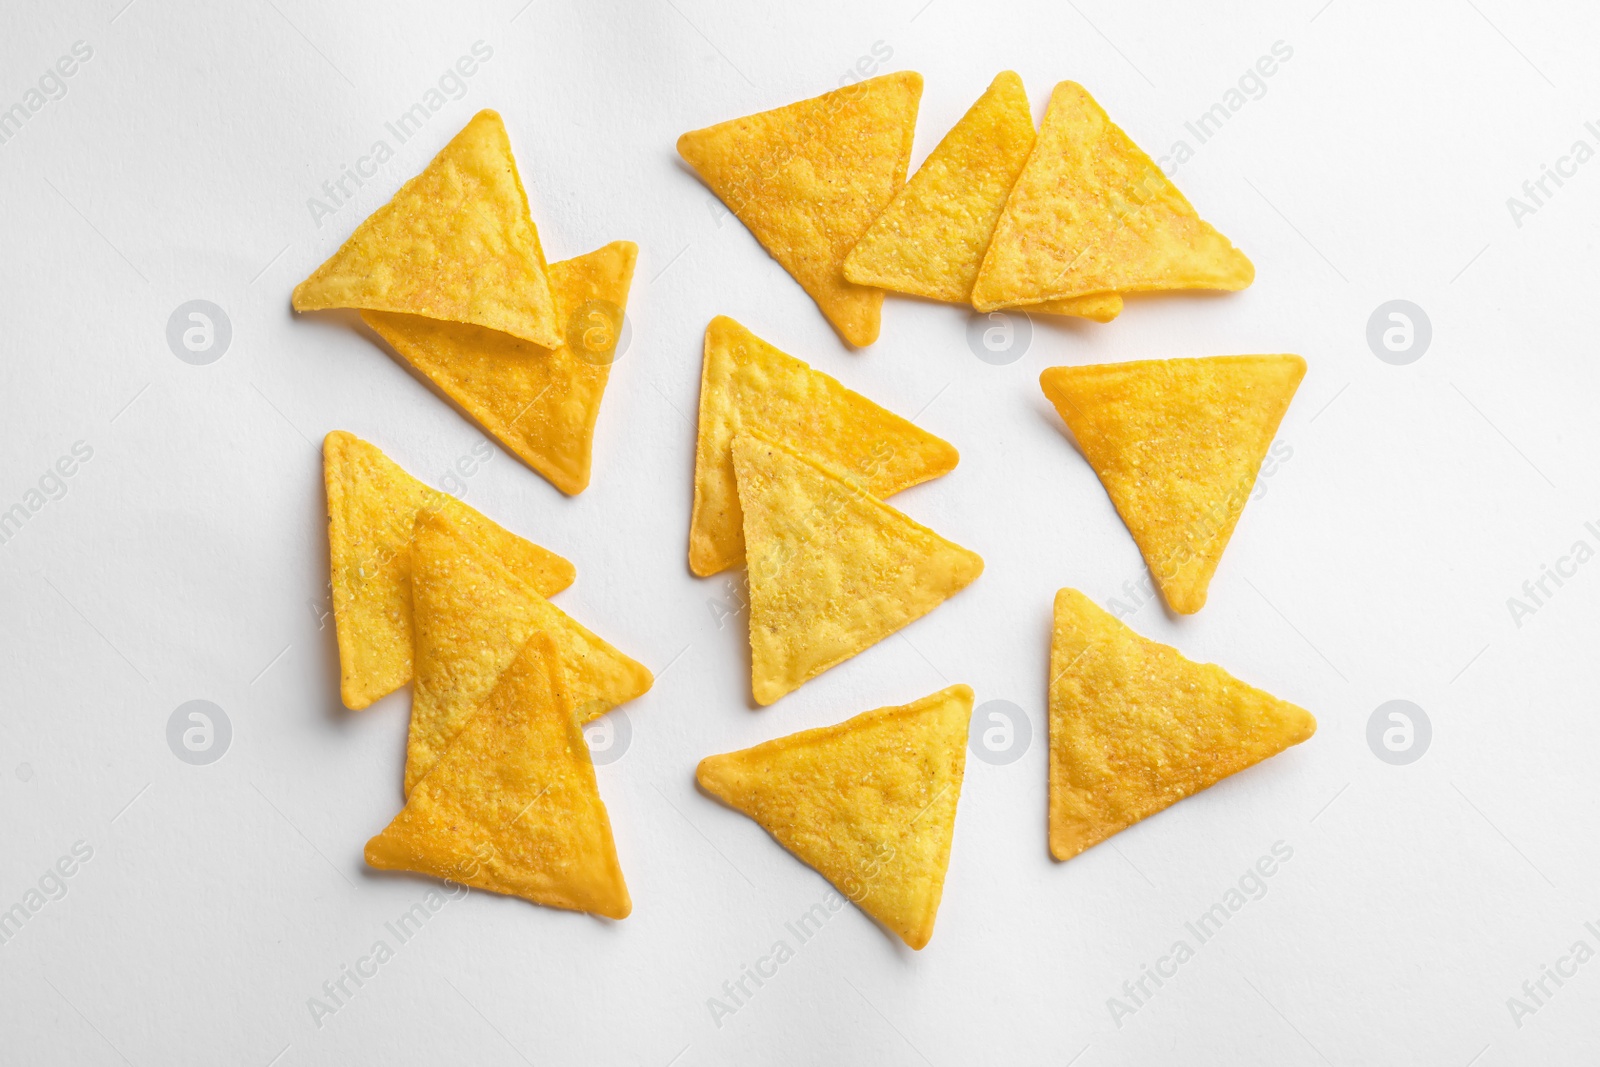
[{"x": 188, "y": 558}]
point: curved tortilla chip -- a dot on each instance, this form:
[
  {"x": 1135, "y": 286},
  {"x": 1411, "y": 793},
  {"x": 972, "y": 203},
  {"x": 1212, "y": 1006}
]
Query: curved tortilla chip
[
  {"x": 540, "y": 403},
  {"x": 746, "y": 383},
  {"x": 457, "y": 242},
  {"x": 1092, "y": 214},
  {"x": 513, "y": 806},
  {"x": 809, "y": 178},
  {"x": 472, "y": 616},
  {"x": 1177, "y": 444},
  {"x": 372, "y": 512},
  {"x": 1135, "y": 727},
  {"x": 832, "y": 570},
  {"x": 869, "y": 803}
]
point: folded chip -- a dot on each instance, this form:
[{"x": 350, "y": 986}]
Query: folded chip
[
  {"x": 472, "y": 614},
  {"x": 746, "y": 384},
  {"x": 457, "y": 243},
  {"x": 372, "y": 511},
  {"x": 869, "y": 803},
  {"x": 931, "y": 238},
  {"x": 1177, "y": 444},
  {"x": 832, "y": 569},
  {"x": 540, "y": 403},
  {"x": 1091, "y": 213},
  {"x": 1135, "y": 727},
  {"x": 807, "y": 180},
  {"x": 512, "y": 806}
]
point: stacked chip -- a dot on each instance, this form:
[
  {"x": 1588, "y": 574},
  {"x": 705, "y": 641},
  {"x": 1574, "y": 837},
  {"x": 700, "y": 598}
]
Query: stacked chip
[
  {"x": 1063, "y": 222},
  {"x": 452, "y": 275},
  {"x": 500, "y": 789}
]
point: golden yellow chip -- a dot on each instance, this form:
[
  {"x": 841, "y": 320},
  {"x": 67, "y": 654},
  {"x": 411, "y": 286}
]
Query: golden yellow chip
[
  {"x": 1135, "y": 727},
  {"x": 1099, "y": 307},
  {"x": 513, "y": 806},
  {"x": 1091, "y": 214},
  {"x": 746, "y": 384},
  {"x": 372, "y": 510},
  {"x": 931, "y": 238},
  {"x": 808, "y": 179},
  {"x": 472, "y": 615},
  {"x": 457, "y": 242},
  {"x": 869, "y": 803},
  {"x": 1177, "y": 444},
  {"x": 540, "y": 403},
  {"x": 832, "y": 570}
]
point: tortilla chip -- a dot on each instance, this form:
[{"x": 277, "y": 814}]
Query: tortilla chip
[
  {"x": 457, "y": 243},
  {"x": 472, "y": 615},
  {"x": 808, "y": 179},
  {"x": 1177, "y": 444},
  {"x": 1091, "y": 214},
  {"x": 1136, "y": 727},
  {"x": 869, "y": 803},
  {"x": 1100, "y": 307},
  {"x": 931, "y": 238},
  {"x": 540, "y": 403},
  {"x": 372, "y": 509},
  {"x": 746, "y": 383},
  {"x": 513, "y": 806},
  {"x": 832, "y": 570}
]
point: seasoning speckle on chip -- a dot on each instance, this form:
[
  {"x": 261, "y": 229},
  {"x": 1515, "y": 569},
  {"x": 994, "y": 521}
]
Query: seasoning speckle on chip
[
  {"x": 869, "y": 803},
  {"x": 807, "y": 180},
  {"x": 1135, "y": 727}
]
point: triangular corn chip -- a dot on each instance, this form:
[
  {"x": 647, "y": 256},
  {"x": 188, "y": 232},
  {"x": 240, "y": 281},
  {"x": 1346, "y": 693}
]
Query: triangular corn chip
[
  {"x": 372, "y": 511},
  {"x": 472, "y": 615},
  {"x": 869, "y": 803},
  {"x": 1135, "y": 727},
  {"x": 513, "y": 806},
  {"x": 746, "y": 384},
  {"x": 1177, "y": 444},
  {"x": 808, "y": 179},
  {"x": 540, "y": 403},
  {"x": 457, "y": 243},
  {"x": 931, "y": 238},
  {"x": 1091, "y": 213},
  {"x": 832, "y": 570}
]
